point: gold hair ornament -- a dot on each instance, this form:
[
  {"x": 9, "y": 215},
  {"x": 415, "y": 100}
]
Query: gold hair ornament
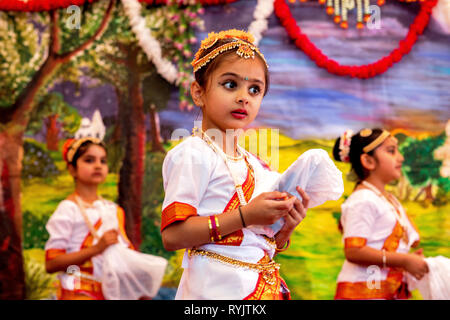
[
  {"x": 375, "y": 143},
  {"x": 240, "y": 39},
  {"x": 76, "y": 145}
]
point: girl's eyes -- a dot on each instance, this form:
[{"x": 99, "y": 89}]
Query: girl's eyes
[
  {"x": 391, "y": 150},
  {"x": 254, "y": 90},
  {"x": 231, "y": 84},
  {"x": 92, "y": 160}
]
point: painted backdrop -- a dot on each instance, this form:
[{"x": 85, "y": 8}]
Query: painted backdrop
[{"x": 59, "y": 81}]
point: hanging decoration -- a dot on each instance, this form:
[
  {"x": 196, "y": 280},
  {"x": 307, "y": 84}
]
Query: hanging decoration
[
  {"x": 339, "y": 9},
  {"x": 302, "y": 41},
  {"x": 147, "y": 42}
]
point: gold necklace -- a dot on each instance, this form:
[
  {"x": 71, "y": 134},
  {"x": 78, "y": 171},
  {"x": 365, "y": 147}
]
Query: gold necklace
[
  {"x": 238, "y": 186},
  {"x": 400, "y": 218}
]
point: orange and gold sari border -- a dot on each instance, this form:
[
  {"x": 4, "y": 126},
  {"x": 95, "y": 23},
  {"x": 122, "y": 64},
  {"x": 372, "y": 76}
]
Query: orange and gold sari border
[
  {"x": 393, "y": 240},
  {"x": 89, "y": 239},
  {"x": 176, "y": 211},
  {"x": 86, "y": 289},
  {"x": 236, "y": 238},
  {"x": 386, "y": 289},
  {"x": 354, "y": 242},
  {"x": 265, "y": 290},
  {"x": 53, "y": 253},
  {"x": 121, "y": 219}
]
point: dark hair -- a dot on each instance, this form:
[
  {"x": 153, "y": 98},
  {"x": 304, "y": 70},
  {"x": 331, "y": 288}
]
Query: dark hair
[
  {"x": 83, "y": 148},
  {"x": 357, "y": 144},
  {"x": 203, "y": 73}
]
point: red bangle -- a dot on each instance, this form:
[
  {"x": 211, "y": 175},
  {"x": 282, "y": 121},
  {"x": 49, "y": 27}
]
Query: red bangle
[{"x": 214, "y": 229}]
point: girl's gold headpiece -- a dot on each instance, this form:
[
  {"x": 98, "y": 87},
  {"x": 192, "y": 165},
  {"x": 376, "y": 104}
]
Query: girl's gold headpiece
[
  {"x": 239, "y": 39},
  {"x": 71, "y": 146},
  {"x": 375, "y": 143}
]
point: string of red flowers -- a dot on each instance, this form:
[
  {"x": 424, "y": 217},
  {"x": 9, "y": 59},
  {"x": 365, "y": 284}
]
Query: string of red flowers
[
  {"x": 46, "y": 5},
  {"x": 302, "y": 41}
]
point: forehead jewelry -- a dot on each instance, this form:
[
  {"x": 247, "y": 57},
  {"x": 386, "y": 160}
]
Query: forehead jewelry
[
  {"x": 241, "y": 40},
  {"x": 246, "y": 78}
]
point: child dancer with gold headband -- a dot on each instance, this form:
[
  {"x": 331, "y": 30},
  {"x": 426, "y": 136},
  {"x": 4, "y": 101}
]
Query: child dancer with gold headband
[
  {"x": 208, "y": 183},
  {"x": 72, "y": 246},
  {"x": 376, "y": 228}
]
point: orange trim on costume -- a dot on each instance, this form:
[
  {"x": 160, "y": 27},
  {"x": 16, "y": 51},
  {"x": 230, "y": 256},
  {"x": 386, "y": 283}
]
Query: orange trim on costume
[
  {"x": 387, "y": 289},
  {"x": 235, "y": 238},
  {"x": 176, "y": 211},
  {"x": 393, "y": 240},
  {"x": 355, "y": 242},
  {"x": 391, "y": 288},
  {"x": 87, "y": 289},
  {"x": 53, "y": 253},
  {"x": 87, "y": 266},
  {"x": 121, "y": 219},
  {"x": 265, "y": 290}
]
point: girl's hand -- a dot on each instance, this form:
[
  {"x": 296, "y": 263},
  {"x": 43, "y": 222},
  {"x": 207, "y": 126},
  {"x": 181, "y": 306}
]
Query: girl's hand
[
  {"x": 416, "y": 265},
  {"x": 267, "y": 208},
  {"x": 297, "y": 213},
  {"x": 110, "y": 237},
  {"x": 293, "y": 219}
]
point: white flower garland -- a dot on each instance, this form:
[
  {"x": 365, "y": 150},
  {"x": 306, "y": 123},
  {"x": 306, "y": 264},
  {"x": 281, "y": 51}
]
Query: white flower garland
[
  {"x": 263, "y": 10},
  {"x": 147, "y": 42}
]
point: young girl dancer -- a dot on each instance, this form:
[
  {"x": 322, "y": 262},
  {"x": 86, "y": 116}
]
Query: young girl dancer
[
  {"x": 208, "y": 183},
  {"x": 377, "y": 232},
  {"x": 72, "y": 248}
]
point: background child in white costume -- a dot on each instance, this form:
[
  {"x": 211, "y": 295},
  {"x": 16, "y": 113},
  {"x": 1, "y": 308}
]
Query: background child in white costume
[
  {"x": 201, "y": 210},
  {"x": 71, "y": 246},
  {"x": 376, "y": 228}
]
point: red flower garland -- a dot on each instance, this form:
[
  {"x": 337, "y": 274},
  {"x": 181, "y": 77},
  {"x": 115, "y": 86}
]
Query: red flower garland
[
  {"x": 302, "y": 41},
  {"x": 46, "y": 5}
]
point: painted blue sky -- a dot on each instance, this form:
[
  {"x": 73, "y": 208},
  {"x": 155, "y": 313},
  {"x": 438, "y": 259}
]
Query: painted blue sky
[{"x": 306, "y": 101}]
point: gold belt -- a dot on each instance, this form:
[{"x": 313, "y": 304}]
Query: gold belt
[{"x": 267, "y": 267}]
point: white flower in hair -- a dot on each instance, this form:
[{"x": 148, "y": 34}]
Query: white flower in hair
[{"x": 344, "y": 145}]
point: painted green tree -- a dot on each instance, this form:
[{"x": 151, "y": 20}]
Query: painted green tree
[
  {"x": 420, "y": 167},
  {"x": 120, "y": 61},
  {"x": 35, "y": 48},
  {"x": 56, "y": 115}
]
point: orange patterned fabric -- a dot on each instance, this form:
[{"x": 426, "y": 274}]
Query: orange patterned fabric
[
  {"x": 268, "y": 291},
  {"x": 235, "y": 238},
  {"x": 86, "y": 289},
  {"x": 53, "y": 253},
  {"x": 391, "y": 288},
  {"x": 176, "y": 211},
  {"x": 87, "y": 266},
  {"x": 355, "y": 242}
]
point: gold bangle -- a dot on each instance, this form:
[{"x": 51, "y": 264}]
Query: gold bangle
[{"x": 288, "y": 243}]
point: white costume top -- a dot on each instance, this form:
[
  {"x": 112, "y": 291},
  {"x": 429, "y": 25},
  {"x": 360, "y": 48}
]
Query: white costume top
[
  {"x": 367, "y": 216},
  {"x": 69, "y": 233},
  {"x": 196, "y": 176},
  {"x": 197, "y": 181}
]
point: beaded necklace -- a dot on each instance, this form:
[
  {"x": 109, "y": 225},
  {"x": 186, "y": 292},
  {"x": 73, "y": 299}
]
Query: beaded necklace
[
  {"x": 240, "y": 192},
  {"x": 400, "y": 218}
]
